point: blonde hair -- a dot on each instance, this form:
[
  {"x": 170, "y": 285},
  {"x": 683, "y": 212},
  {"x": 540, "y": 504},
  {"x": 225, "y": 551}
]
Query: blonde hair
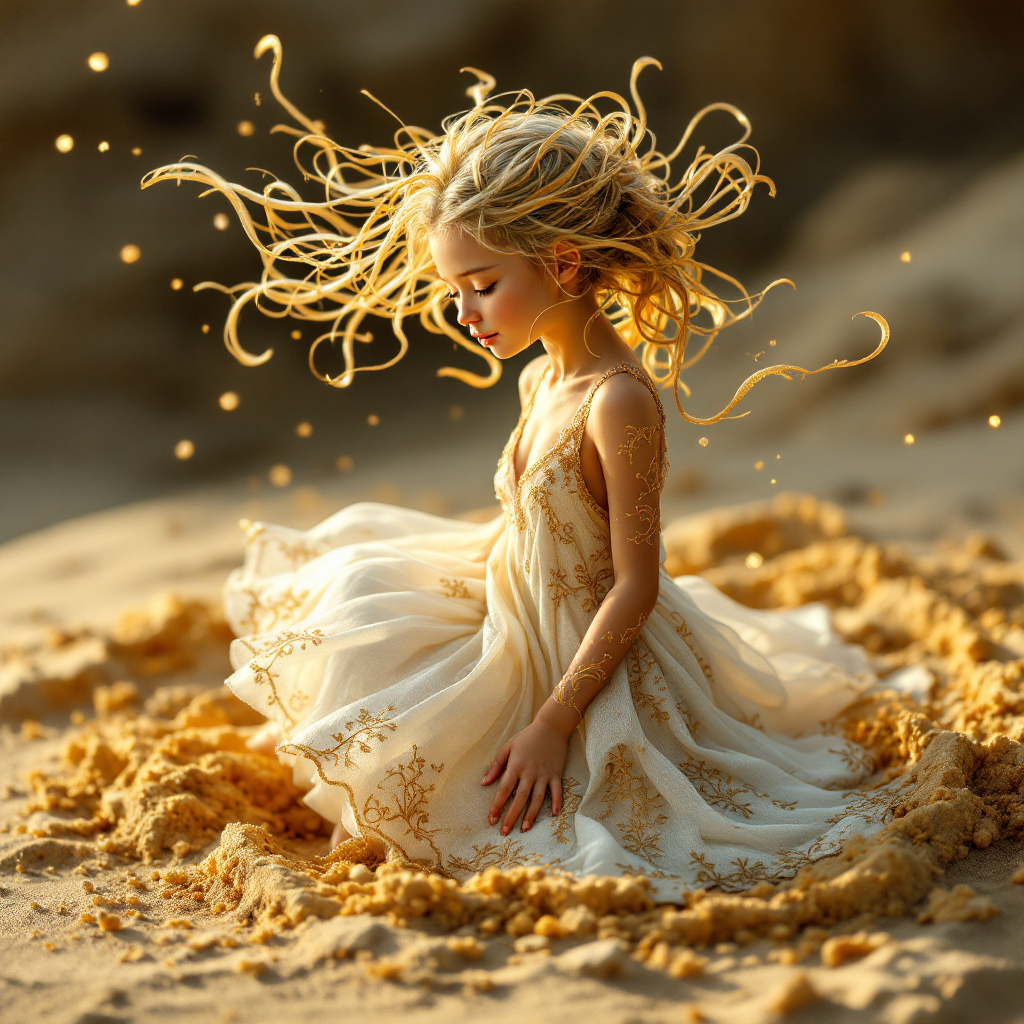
[{"x": 518, "y": 174}]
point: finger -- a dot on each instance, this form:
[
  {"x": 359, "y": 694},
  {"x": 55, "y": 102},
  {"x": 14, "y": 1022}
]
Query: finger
[
  {"x": 508, "y": 783},
  {"x": 516, "y": 807},
  {"x": 497, "y": 765},
  {"x": 556, "y": 796},
  {"x": 540, "y": 790}
]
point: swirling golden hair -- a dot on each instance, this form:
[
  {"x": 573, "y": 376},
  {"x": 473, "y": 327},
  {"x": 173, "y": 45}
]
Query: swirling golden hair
[{"x": 518, "y": 174}]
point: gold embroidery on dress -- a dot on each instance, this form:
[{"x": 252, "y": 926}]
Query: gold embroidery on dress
[
  {"x": 627, "y": 638},
  {"x": 366, "y": 727},
  {"x": 572, "y": 797},
  {"x": 627, "y": 789},
  {"x": 720, "y": 789},
  {"x": 685, "y": 634},
  {"x": 494, "y": 855},
  {"x": 592, "y": 585},
  {"x": 407, "y": 800},
  {"x": 298, "y": 553},
  {"x": 280, "y": 646},
  {"x": 264, "y": 613},
  {"x": 454, "y": 588},
  {"x": 638, "y": 665},
  {"x": 688, "y": 717},
  {"x": 569, "y": 686}
]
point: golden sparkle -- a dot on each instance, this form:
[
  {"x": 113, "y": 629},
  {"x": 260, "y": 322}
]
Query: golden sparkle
[
  {"x": 703, "y": 442},
  {"x": 280, "y": 475},
  {"x": 905, "y": 256},
  {"x": 773, "y": 481},
  {"x": 373, "y": 419},
  {"x": 184, "y": 449},
  {"x": 104, "y": 146},
  {"x": 754, "y": 560},
  {"x": 759, "y": 465},
  {"x": 130, "y": 253},
  {"x": 304, "y": 429},
  {"x": 256, "y": 97},
  {"x": 994, "y": 421},
  {"x": 771, "y": 344},
  {"x": 134, "y": 3},
  {"x": 64, "y": 143},
  {"x": 136, "y": 151},
  {"x": 98, "y": 61},
  {"x": 346, "y": 463},
  {"x": 246, "y": 128},
  {"x": 206, "y": 328},
  {"x": 177, "y": 284},
  {"x": 221, "y": 222},
  {"x": 908, "y": 438},
  {"x": 296, "y": 335},
  {"x": 228, "y": 401}
]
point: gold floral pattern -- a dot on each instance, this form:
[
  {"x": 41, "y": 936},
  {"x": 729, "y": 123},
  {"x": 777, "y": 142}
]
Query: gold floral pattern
[
  {"x": 572, "y": 797},
  {"x": 629, "y": 791},
  {"x": 686, "y": 635},
  {"x": 366, "y": 727},
  {"x": 640, "y": 664},
  {"x": 627, "y": 638},
  {"x": 636, "y": 436},
  {"x": 455, "y": 588},
  {"x": 568, "y": 689},
  {"x": 494, "y": 855},
  {"x": 265, "y": 610},
  {"x": 269, "y": 651},
  {"x": 720, "y": 789}
]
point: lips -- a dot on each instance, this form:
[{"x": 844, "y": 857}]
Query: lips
[{"x": 485, "y": 339}]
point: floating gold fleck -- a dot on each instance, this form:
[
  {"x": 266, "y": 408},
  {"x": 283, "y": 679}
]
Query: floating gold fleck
[
  {"x": 703, "y": 442},
  {"x": 177, "y": 284},
  {"x": 905, "y": 256},
  {"x": 99, "y": 61},
  {"x": 908, "y": 438},
  {"x": 456, "y": 412},
  {"x": 759, "y": 465},
  {"x": 280, "y": 475},
  {"x": 134, "y": 3},
  {"x": 206, "y": 328},
  {"x": 104, "y": 146},
  {"x": 994, "y": 421},
  {"x": 346, "y": 463},
  {"x": 246, "y": 128},
  {"x": 304, "y": 429},
  {"x": 184, "y": 449},
  {"x": 296, "y": 335},
  {"x": 771, "y": 344},
  {"x": 256, "y": 97},
  {"x": 136, "y": 151},
  {"x": 64, "y": 143},
  {"x": 778, "y": 456},
  {"x": 130, "y": 253},
  {"x": 228, "y": 401},
  {"x": 373, "y": 419},
  {"x": 773, "y": 481},
  {"x": 221, "y": 222},
  {"x": 754, "y": 560}
]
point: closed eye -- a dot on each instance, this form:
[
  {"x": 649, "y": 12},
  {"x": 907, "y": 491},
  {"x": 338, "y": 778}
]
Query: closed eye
[{"x": 487, "y": 290}]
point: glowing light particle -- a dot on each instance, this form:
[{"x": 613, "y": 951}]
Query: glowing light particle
[
  {"x": 136, "y": 151},
  {"x": 773, "y": 481},
  {"x": 221, "y": 222},
  {"x": 905, "y": 256},
  {"x": 246, "y": 128},
  {"x": 184, "y": 449},
  {"x": 280, "y": 475},
  {"x": 228, "y": 401},
  {"x": 304, "y": 429},
  {"x": 373, "y": 419},
  {"x": 256, "y": 97},
  {"x": 134, "y": 3},
  {"x": 104, "y": 146},
  {"x": 908, "y": 439},
  {"x": 456, "y": 412},
  {"x": 346, "y": 463},
  {"x": 296, "y": 335},
  {"x": 703, "y": 442},
  {"x": 759, "y": 465},
  {"x": 778, "y": 456},
  {"x": 98, "y": 61},
  {"x": 64, "y": 143},
  {"x": 994, "y": 421},
  {"x": 771, "y": 344},
  {"x": 754, "y": 560},
  {"x": 206, "y": 328},
  {"x": 130, "y": 253},
  {"x": 177, "y": 284}
]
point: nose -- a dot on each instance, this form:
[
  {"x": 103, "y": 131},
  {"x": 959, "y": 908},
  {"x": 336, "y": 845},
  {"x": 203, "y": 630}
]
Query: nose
[{"x": 467, "y": 314}]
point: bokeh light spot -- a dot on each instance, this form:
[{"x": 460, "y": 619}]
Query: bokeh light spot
[
  {"x": 304, "y": 429},
  {"x": 703, "y": 442},
  {"x": 296, "y": 335},
  {"x": 136, "y": 151},
  {"x": 64, "y": 143},
  {"x": 994, "y": 421},
  {"x": 206, "y": 328},
  {"x": 346, "y": 463},
  {"x": 754, "y": 560},
  {"x": 184, "y": 449},
  {"x": 280, "y": 475},
  {"x": 177, "y": 284},
  {"x": 221, "y": 222},
  {"x": 905, "y": 256},
  {"x": 104, "y": 146},
  {"x": 908, "y": 438},
  {"x": 99, "y": 61},
  {"x": 246, "y": 128},
  {"x": 773, "y": 481},
  {"x": 228, "y": 401},
  {"x": 771, "y": 344},
  {"x": 373, "y": 419},
  {"x": 130, "y": 254},
  {"x": 759, "y": 465}
]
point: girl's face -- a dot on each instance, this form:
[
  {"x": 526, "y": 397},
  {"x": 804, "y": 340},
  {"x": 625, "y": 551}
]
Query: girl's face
[{"x": 499, "y": 297}]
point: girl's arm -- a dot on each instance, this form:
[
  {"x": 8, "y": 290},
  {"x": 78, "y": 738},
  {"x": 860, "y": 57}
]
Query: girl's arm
[{"x": 625, "y": 426}]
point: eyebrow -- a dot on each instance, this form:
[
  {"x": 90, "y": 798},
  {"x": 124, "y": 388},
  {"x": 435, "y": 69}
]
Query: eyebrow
[{"x": 475, "y": 270}]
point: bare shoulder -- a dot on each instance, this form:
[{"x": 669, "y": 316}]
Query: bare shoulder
[
  {"x": 528, "y": 378},
  {"x": 621, "y": 402}
]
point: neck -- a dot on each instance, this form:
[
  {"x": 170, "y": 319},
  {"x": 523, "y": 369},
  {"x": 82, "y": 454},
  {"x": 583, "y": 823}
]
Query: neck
[{"x": 578, "y": 336}]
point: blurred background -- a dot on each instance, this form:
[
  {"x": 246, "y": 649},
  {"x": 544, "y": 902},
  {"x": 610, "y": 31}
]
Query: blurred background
[{"x": 894, "y": 132}]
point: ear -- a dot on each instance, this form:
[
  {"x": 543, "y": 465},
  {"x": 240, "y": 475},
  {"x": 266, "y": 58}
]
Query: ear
[{"x": 567, "y": 263}]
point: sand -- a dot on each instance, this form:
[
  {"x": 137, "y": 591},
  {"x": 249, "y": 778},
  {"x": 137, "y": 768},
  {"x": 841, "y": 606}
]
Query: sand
[{"x": 151, "y": 864}]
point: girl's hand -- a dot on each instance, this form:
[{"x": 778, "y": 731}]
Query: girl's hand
[{"x": 530, "y": 764}]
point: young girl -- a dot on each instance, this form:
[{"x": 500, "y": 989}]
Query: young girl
[{"x": 434, "y": 682}]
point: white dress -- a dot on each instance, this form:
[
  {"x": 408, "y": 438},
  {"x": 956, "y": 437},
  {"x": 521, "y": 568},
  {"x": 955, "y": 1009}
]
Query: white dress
[{"x": 394, "y": 652}]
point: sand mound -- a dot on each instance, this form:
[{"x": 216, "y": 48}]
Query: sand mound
[{"x": 163, "y": 771}]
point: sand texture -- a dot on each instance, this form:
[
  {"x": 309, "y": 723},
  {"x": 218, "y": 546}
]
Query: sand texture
[{"x": 151, "y": 863}]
